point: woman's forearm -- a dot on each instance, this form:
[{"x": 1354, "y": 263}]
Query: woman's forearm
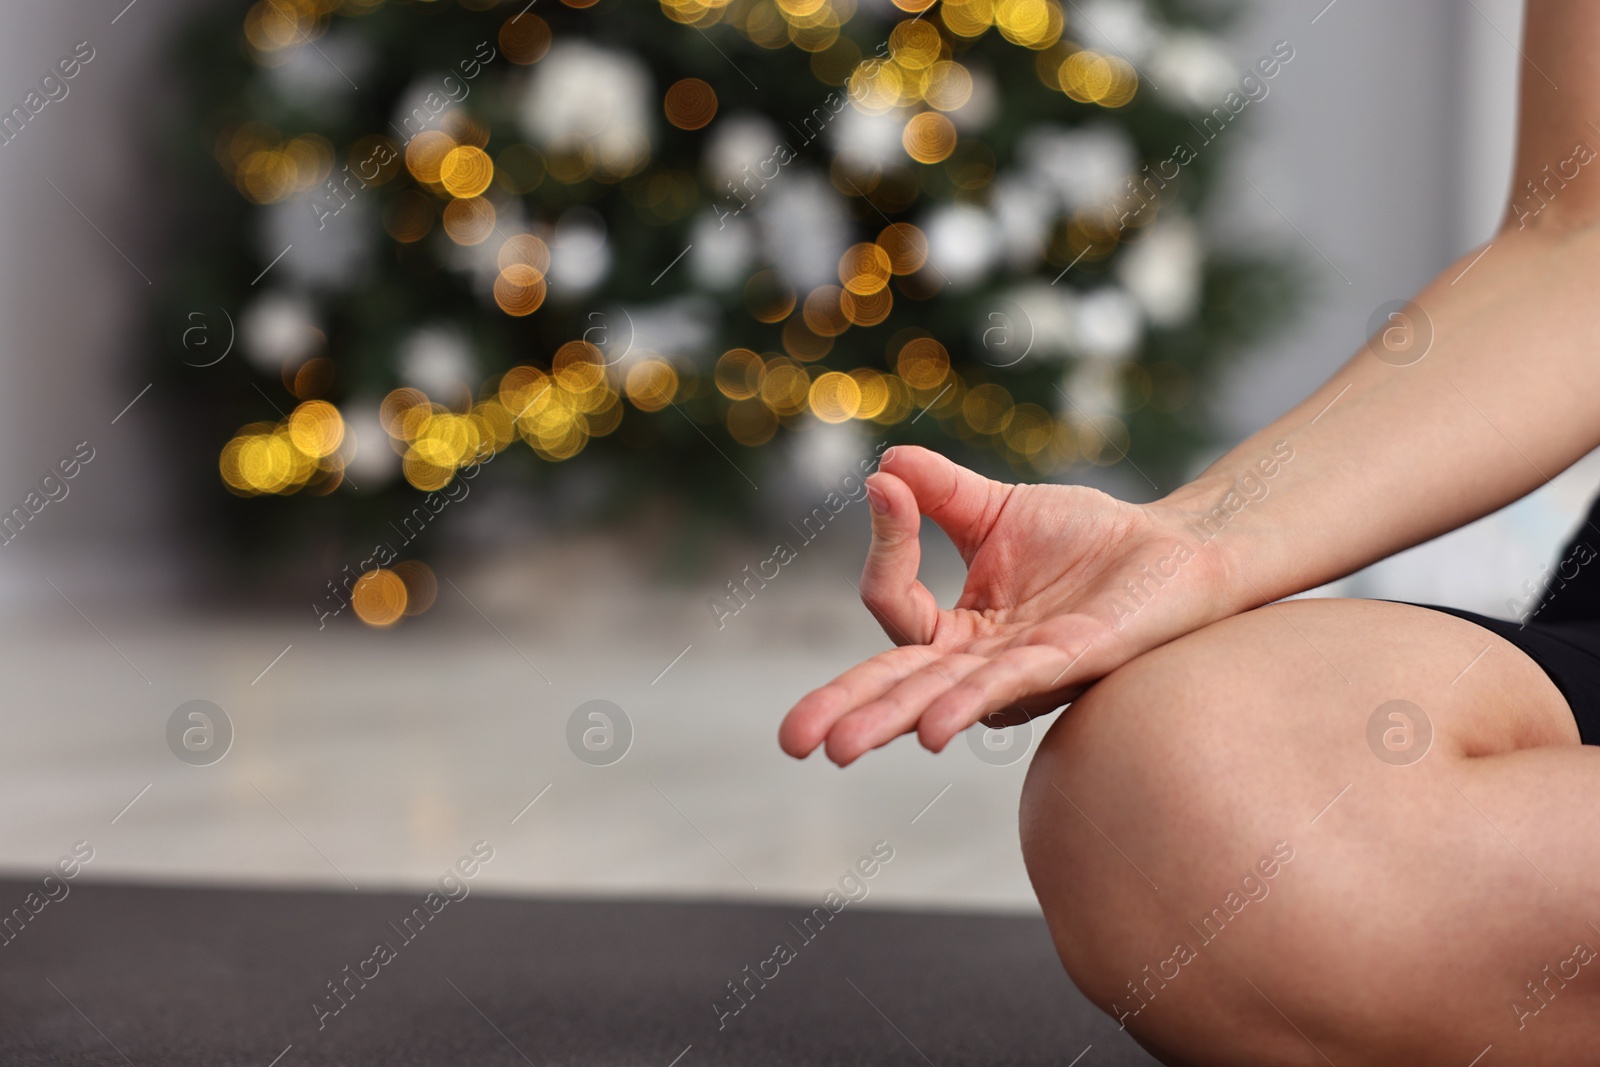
[
  {"x": 1482, "y": 389},
  {"x": 1385, "y": 456}
]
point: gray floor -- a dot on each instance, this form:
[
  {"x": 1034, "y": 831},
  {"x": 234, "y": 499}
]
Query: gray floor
[{"x": 373, "y": 758}]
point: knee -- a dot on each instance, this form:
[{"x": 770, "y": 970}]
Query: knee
[
  {"x": 1148, "y": 802},
  {"x": 1106, "y": 785}
]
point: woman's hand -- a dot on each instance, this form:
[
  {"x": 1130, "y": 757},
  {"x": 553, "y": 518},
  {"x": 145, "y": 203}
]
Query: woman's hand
[{"x": 1047, "y": 608}]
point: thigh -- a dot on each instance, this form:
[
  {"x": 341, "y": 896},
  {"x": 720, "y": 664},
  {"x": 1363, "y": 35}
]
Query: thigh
[{"x": 1327, "y": 829}]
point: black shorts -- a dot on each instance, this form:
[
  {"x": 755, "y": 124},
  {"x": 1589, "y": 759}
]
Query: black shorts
[
  {"x": 1568, "y": 651},
  {"x": 1560, "y": 630}
]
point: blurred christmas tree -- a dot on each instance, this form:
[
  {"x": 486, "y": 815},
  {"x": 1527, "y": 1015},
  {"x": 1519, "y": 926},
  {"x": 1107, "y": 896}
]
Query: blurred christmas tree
[{"x": 652, "y": 242}]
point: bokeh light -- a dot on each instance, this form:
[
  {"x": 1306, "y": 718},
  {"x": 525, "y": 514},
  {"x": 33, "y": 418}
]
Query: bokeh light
[
  {"x": 379, "y": 597},
  {"x": 690, "y": 104}
]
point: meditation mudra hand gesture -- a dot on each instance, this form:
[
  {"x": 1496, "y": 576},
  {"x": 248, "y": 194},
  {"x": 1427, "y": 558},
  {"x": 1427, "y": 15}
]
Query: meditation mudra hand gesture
[
  {"x": 1316, "y": 830},
  {"x": 1047, "y": 606}
]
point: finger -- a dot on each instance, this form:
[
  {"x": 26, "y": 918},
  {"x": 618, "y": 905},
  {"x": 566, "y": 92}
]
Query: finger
[
  {"x": 896, "y": 712},
  {"x": 963, "y": 502},
  {"x": 809, "y": 721},
  {"x": 999, "y": 685},
  {"x": 889, "y": 587}
]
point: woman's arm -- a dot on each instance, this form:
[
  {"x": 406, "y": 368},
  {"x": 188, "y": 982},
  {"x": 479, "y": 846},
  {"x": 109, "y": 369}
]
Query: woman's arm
[
  {"x": 1494, "y": 389},
  {"x": 1392, "y": 452}
]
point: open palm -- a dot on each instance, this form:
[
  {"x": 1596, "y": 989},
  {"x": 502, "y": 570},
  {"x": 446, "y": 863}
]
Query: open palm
[{"x": 1046, "y": 609}]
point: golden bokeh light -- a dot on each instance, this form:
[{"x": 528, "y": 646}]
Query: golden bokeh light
[
  {"x": 422, "y": 588},
  {"x": 822, "y": 313},
  {"x": 469, "y": 222},
  {"x": 1091, "y": 78},
  {"x": 867, "y": 310},
  {"x": 426, "y": 153},
  {"x": 739, "y": 373},
  {"x": 835, "y": 397},
  {"x": 967, "y": 18},
  {"x": 948, "y": 86},
  {"x": 786, "y": 387},
  {"x": 466, "y": 171},
  {"x": 864, "y": 269},
  {"x": 987, "y": 408},
  {"x": 379, "y": 597},
  {"x": 898, "y": 403},
  {"x": 906, "y": 247},
  {"x": 393, "y": 409},
  {"x": 915, "y": 44},
  {"x": 525, "y": 38},
  {"x": 803, "y": 343},
  {"x": 313, "y": 378},
  {"x": 877, "y": 87},
  {"x": 872, "y": 391},
  {"x": 690, "y": 104},
  {"x": 651, "y": 384},
  {"x": 768, "y": 297},
  {"x": 606, "y": 418},
  {"x": 1029, "y": 430},
  {"x": 494, "y": 423},
  {"x": 923, "y": 363},
  {"x": 316, "y": 429},
  {"x": 816, "y": 32},
  {"x": 519, "y": 290},
  {"x": 263, "y": 458},
  {"x": 700, "y": 13},
  {"x": 422, "y": 473},
  {"x": 1035, "y": 24},
  {"x": 463, "y": 127},
  {"x": 525, "y": 250},
  {"x": 524, "y": 390},
  {"x": 578, "y": 366},
  {"x": 929, "y": 137}
]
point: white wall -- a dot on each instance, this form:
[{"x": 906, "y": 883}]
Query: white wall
[{"x": 72, "y": 344}]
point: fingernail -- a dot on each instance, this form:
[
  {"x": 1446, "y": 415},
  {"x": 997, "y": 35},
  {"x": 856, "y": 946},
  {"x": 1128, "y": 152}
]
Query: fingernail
[
  {"x": 876, "y": 498},
  {"x": 886, "y": 457}
]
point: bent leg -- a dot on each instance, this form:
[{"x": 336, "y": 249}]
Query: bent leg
[{"x": 1235, "y": 866}]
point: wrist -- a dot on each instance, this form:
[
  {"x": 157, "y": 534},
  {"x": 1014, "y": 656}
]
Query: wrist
[{"x": 1221, "y": 515}]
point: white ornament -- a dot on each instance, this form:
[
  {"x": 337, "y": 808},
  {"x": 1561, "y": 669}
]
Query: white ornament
[
  {"x": 1108, "y": 325},
  {"x": 370, "y": 459},
  {"x": 583, "y": 96},
  {"x": 963, "y": 243},
  {"x": 721, "y": 250},
  {"x": 741, "y": 149},
  {"x": 1194, "y": 67},
  {"x": 438, "y": 360},
  {"x": 580, "y": 256},
  {"x": 1116, "y": 27},
  {"x": 1085, "y": 166},
  {"x": 804, "y": 228},
  {"x": 277, "y": 330},
  {"x": 1163, "y": 271}
]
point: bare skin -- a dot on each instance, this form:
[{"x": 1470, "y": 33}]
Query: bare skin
[{"x": 1429, "y": 912}]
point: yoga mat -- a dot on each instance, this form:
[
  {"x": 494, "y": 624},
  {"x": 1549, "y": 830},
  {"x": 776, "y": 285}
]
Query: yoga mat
[{"x": 153, "y": 976}]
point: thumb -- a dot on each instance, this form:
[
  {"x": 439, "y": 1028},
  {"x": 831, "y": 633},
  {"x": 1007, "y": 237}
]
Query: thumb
[
  {"x": 889, "y": 587},
  {"x": 964, "y": 503}
]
